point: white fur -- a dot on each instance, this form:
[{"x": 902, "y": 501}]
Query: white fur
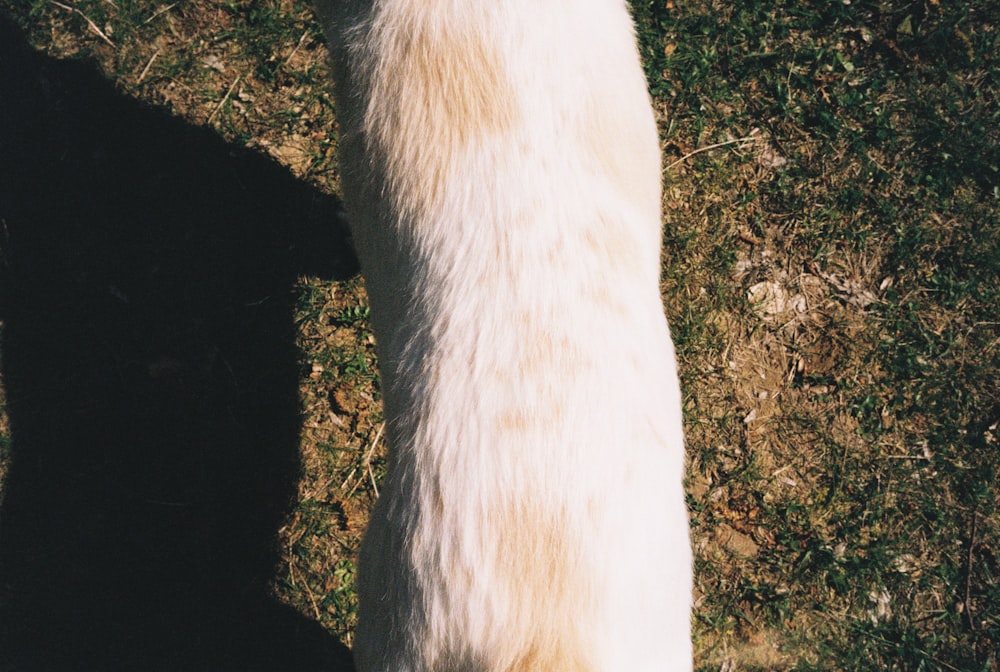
[{"x": 501, "y": 166}]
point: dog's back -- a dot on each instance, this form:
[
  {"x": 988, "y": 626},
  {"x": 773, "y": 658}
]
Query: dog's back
[{"x": 501, "y": 167}]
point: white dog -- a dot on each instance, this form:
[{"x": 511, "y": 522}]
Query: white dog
[{"x": 501, "y": 166}]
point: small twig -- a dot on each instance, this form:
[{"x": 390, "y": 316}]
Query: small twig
[
  {"x": 367, "y": 462},
  {"x": 348, "y": 480},
  {"x": 305, "y": 585},
  {"x": 312, "y": 599},
  {"x": 368, "y": 457},
  {"x": 968, "y": 573},
  {"x": 149, "y": 64},
  {"x": 371, "y": 478},
  {"x": 93, "y": 26},
  {"x": 222, "y": 102},
  {"x": 162, "y": 10},
  {"x": 295, "y": 50},
  {"x": 747, "y": 139},
  {"x": 371, "y": 447}
]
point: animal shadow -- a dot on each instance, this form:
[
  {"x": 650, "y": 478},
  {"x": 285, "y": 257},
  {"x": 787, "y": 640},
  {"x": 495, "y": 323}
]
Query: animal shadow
[{"x": 147, "y": 281}]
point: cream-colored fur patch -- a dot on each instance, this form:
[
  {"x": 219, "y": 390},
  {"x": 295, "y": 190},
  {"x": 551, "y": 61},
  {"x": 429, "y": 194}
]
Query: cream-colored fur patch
[{"x": 501, "y": 167}]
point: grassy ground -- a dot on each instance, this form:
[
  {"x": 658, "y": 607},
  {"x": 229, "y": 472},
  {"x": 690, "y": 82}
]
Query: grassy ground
[{"x": 831, "y": 273}]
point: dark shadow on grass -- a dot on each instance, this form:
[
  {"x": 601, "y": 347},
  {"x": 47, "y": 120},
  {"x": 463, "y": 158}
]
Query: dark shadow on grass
[{"x": 146, "y": 290}]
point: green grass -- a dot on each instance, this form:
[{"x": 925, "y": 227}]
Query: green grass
[
  {"x": 844, "y": 448},
  {"x": 886, "y": 202}
]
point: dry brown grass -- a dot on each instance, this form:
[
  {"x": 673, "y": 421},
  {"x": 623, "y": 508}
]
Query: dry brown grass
[{"x": 829, "y": 272}]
